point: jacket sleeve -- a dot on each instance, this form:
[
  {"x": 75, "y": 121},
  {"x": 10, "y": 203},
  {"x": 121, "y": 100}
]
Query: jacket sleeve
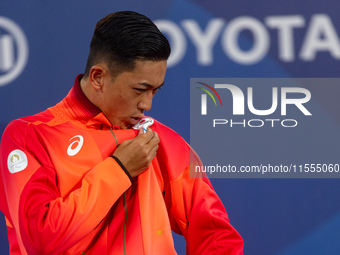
[
  {"x": 44, "y": 222},
  {"x": 194, "y": 208},
  {"x": 202, "y": 218},
  {"x": 206, "y": 226}
]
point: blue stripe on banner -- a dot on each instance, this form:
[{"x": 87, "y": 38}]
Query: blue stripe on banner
[{"x": 322, "y": 240}]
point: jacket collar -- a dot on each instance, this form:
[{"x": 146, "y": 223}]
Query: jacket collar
[{"x": 80, "y": 109}]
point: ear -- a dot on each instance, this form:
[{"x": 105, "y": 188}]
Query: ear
[{"x": 96, "y": 76}]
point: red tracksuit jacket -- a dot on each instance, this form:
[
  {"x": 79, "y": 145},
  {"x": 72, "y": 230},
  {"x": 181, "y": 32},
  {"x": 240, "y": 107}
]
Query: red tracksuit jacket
[{"x": 61, "y": 193}]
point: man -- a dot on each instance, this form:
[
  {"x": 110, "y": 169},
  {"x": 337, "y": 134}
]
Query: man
[{"x": 92, "y": 178}]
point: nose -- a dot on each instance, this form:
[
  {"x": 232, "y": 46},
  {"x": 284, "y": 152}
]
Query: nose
[{"x": 146, "y": 102}]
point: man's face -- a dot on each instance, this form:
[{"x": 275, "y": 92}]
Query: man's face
[{"x": 127, "y": 97}]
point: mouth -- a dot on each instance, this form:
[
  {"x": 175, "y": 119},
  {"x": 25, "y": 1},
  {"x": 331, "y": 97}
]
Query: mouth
[{"x": 134, "y": 120}]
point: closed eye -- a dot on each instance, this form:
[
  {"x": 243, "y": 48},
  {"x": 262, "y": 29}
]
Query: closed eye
[{"x": 140, "y": 90}]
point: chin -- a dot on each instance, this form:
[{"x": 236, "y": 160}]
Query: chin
[{"x": 127, "y": 126}]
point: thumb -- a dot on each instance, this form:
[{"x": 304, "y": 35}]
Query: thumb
[{"x": 141, "y": 131}]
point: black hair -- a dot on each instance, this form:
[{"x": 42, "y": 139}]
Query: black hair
[{"x": 121, "y": 38}]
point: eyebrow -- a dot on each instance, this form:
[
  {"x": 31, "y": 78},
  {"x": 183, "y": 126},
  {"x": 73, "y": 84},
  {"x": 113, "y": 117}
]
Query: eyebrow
[{"x": 150, "y": 86}]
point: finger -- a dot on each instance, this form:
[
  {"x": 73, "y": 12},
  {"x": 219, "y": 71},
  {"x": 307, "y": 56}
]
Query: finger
[
  {"x": 140, "y": 140},
  {"x": 153, "y": 153},
  {"x": 152, "y": 147},
  {"x": 156, "y": 136},
  {"x": 154, "y": 139},
  {"x": 154, "y": 142},
  {"x": 146, "y": 137},
  {"x": 150, "y": 132}
]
